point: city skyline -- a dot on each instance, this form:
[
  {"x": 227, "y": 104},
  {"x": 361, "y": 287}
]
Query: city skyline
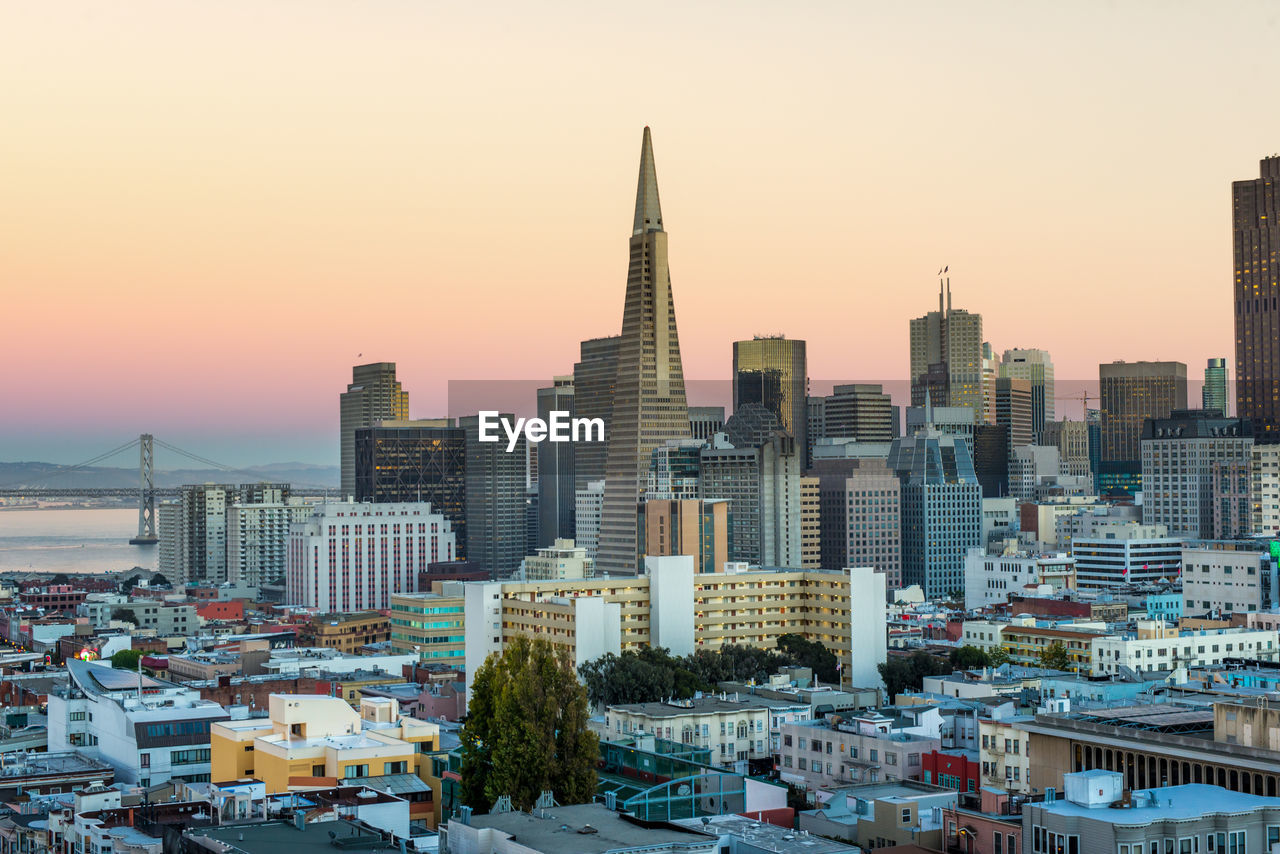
[{"x": 186, "y": 206}]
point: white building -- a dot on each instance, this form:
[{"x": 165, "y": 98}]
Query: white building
[
  {"x": 1005, "y": 753},
  {"x": 1264, "y": 489},
  {"x": 1156, "y": 647},
  {"x": 1000, "y": 519},
  {"x": 258, "y": 541},
  {"x": 350, "y": 556},
  {"x": 588, "y": 505},
  {"x": 734, "y": 728},
  {"x": 148, "y": 731},
  {"x": 989, "y": 579},
  {"x": 1125, "y": 552},
  {"x": 292, "y": 662},
  {"x": 564, "y": 559},
  {"x": 1224, "y": 578},
  {"x": 1029, "y": 467}
]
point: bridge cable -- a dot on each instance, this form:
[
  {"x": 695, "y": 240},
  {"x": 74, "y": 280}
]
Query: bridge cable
[{"x": 61, "y": 470}]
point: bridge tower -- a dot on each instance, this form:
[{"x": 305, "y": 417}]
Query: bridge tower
[{"x": 146, "y": 495}]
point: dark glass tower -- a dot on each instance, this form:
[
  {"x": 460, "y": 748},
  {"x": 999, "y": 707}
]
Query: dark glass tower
[
  {"x": 1255, "y": 226},
  {"x": 773, "y": 372}
]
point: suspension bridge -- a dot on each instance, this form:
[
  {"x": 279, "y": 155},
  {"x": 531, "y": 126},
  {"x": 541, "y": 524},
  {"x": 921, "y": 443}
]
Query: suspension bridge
[{"x": 147, "y": 492}]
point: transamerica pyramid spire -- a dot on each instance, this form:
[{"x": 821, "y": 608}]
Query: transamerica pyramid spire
[{"x": 649, "y": 401}]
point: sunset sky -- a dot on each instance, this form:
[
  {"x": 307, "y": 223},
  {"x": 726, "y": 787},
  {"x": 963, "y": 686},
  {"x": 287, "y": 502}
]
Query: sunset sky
[{"x": 209, "y": 209}]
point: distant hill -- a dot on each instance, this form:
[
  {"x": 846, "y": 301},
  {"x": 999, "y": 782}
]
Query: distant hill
[{"x": 46, "y": 475}]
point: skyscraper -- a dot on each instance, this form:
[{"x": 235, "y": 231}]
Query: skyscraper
[
  {"x": 950, "y": 338},
  {"x": 649, "y": 404},
  {"x": 496, "y": 509},
  {"x": 594, "y": 376},
  {"x": 1036, "y": 367},
  {"x": 1214, "y": 393},
  {"x": 1255, "y": 223},
  {"x": 1132, "y": 392},
  {"x": 1183, "y": 457},
  {"x": 374, "y": 395},
  {"x": 556, "y": 479},
  {"x": 858, "y": 411},
  {"x": 1015, "y": 408},
  {"x": 773, "y": 371}
]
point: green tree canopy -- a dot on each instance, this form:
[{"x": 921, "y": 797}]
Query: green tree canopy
[
  {"x": 969, "y": 657},
  {"x": 1055, "y": 657},
  {"x": 526, "y": 730},
  {"x": 906, "y": 672},
  {"x": 999, "y": 655},
  {"x": 127, "y": 659},
  {"x": 811, "y": 654},
  {"x": 125, "y": 615}
]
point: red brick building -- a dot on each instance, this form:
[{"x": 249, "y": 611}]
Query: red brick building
[{"x": 952, "y": 769}]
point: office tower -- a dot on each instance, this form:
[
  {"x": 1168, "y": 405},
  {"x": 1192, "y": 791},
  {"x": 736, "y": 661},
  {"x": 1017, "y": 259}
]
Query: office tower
[
  {"x": 1264, "y": 490},
  {"x": 1093, "y": 426},
  {"x": 594, "y": 376},
  {"x": 810, "y": 523},
  {"x": 861, "y": 504},
  {"x": 374, "y": 395},
  {"x": 649, "y": 404},
  {"x": 933, "y": 385},
  {"x": 1071, "y": 438},
  {"x": 193, "y": 529},
  {"x": 1230, "y": 498},
  {"x": 1131, "y": 393},
  {"x": 496, "y": 500},
  {"x": 948, "y": 343},
  {"x": 1036, "y": 367},
  {"x": 1030, "y": 468},
  {"x": 1255, "y": 225},
  {"x": 941, "y": 509},
  {"x": 258, "y": 543},
  {"x": 762, "y": 485},
  {"x": 990, "y": 371},
  {"x": 858, "y": 411},
  {"x": 556, "y": 473},
  {"x": 1214, "y": 393},
  {"x": 1179, "y": 455},
  {"x": 334, "y": 567},
  {"x": 816, "y": 408},
  {"x": 991, "y": 453},
  {"x": 674, "y": 471},
  {"x": 412, "y": 461},
  {"x": 687, "y": 526},
  {"x": 705, "y": 421},
  {"x": 952, "y": 420},
  {"x": 1113, "y": 554},
  {"x": 531, "y": 514},
  {"x": 1015, "y": 410},
  {"x": 773, "y": 372},
  {"x": 589, "y": 503}
]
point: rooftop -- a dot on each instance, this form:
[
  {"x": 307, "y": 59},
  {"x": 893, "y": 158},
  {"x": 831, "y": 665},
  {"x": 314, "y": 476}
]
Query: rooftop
[
  {"x": 272, "y": 836},
  {"x": 561, "y": 830},
  {"x": 700, "y": 706},
  {"x": 1169, "y": 803},
  {"x": 769, "y": 837}
]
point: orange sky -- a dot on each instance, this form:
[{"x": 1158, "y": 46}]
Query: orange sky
[{"x": 207, "y": 210}]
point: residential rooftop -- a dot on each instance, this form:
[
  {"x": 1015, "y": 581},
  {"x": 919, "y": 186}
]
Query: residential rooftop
[{"x": 564, "y": 830}]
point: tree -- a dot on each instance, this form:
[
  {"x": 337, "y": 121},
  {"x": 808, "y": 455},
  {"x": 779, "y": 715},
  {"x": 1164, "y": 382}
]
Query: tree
[
  {"x": 646, "y": 676},
  {"x": 903, "y": 673},
  {"x": 969, "y": 657},
  {"x": 1055, "y": 657},
  {"x": 125, "y": 615},
  {"x": 811, "y": 654},
  {"x": 526, "y": 730},
  {"x": 999, "y": 656},
  {"x": 127, "y": 659}
]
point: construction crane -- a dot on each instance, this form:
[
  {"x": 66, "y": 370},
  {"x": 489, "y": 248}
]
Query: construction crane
[{"x": 1084, "y": 397}]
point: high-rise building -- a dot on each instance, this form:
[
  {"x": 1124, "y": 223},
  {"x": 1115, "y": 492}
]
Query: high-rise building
[
  {"x": 762, "y": 485},
  {"x": 496, "y": 507},
  {"x": 773, "y": 372},
  {"x": 193, "y": 528},
  {"x": 1264, "y": 490},
  {"x": 688, "y": 526},
  {"x": 334, "y": 566},
  {"x": 1036, "y": 367},
  {"x": 1182, "y": 456},
  {"x": 1255, "y": 227},
  {"x": 1214, "y": 393},
  {"x": 649, "y": 405},
  {"x": 412, "y": 461},
  {"x": 563, "y": 559},
  {"x": 1072, "y": 440},
  {"x": 675, "y": 470},
  {"x": 258, "y": 543},
  {"x": 861, "y": 505},
  {"x": 556, "y": 475},
  {"x": 990, "y": 372},
  {"x": 991, "y": 454},
  {"x": 589, "y": 502},
  {"x": 858, "y": 411},
  {"x": 951, "y": 338},
  {"x": 705, "y": 421},
  {"x": 594, "y": 377},
  {"x": 374, "y": 395},
  {"x": 810, "y": 523},
  {"x": 1015, "y": 410},
  {"x": 941, "y": 509},
  {"x": 1132, "y": 393}
]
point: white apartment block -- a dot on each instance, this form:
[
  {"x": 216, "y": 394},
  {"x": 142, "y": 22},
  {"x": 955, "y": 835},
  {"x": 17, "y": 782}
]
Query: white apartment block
[
  {"x": 258, "y": 541},
  {"x": 735, "y": 730},
  {"x": 1221, "y": 579},
  {"x": 588, "y": 506},
  {"x": 350, "y": 556},
  {"x": 1125, "y": 552},
  {"x": 989, "y": 579},
  {"x": 1158, "y": 648},
  {"x": 1264, "y": 489},
  {"x": 561, "y": 560}
]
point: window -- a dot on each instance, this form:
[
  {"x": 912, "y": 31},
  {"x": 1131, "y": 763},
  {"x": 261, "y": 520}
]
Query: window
[
  {"x": 802, "y": 764},
  {"x": 906, "y": 815},
  {"x": 317, "y": 770},
  {"x": 353, "y": 771},
  {"x": 998, "y": 842},
  {"x": 395, "y": 767},
  {"x": 1235, "y": 842},
  {"x": 145, "y": 760}
]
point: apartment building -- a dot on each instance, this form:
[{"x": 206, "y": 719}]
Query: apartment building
[
  {"x": 1155, "y": 647},
  {"x": 735, "y": 729}
]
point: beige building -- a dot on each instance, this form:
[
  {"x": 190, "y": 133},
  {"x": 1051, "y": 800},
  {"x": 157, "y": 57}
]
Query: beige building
[
  {"x": 735, "y": 729},
  {"x": 560, "y": 561},
  {"x": 810, "y": 523},
  {"x": 1005, "y": 754},
  {"x": 1264, "y": 489},
  {"x": 692, "y": 526}
]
